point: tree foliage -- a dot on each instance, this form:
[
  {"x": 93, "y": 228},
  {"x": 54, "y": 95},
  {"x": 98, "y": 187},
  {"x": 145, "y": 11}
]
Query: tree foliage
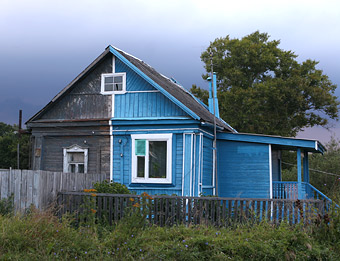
[
  {"x": 9, "y": 140},
  {"x": 264, "y": 89},
  {"x": 324, "y": 169}
]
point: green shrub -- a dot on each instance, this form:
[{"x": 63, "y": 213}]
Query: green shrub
[
  {"x": 7, "y": 205},
  {"x": 111, "y": 188},
  {"x": 40, "y": 235}
]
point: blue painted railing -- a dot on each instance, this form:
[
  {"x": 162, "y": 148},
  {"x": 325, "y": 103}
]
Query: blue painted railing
[
  {"x": 314, "y": 193},
  {"x": 289, "y": 190}
]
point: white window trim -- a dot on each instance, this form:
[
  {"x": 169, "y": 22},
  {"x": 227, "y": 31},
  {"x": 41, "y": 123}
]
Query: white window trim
[
  {"x": 152, "y": 137},
  {"x": 74, "y": 148},
  {"x": 102, "y": 91}
]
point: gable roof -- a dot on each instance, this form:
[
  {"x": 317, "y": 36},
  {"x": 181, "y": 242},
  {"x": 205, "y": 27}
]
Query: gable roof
[{"x": 168, "y": 87}]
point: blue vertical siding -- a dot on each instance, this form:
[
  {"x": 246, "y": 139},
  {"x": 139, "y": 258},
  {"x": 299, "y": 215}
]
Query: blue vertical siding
[
  {"x": 196, "y": 165},
  {"x": 178, "y": 148},
  {"x": 145, "y": 105},
  {"x": 243, "y": 169},
  {"x": 122, "y": 159},
  {"x": 187, "y": 164},
  {"x": 207, "y": 165},
  {"x": 133, "y": 81}
]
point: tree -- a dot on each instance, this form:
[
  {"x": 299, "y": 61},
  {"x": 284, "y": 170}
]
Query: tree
[
  {"x": 324, "y": 170},
  {"x": 9, "y": 140},
  {"x": 264, "y": 89}
]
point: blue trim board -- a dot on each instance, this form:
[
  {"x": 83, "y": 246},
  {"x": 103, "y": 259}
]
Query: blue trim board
[
  {"x": 145, "y": 77},
  {"x": 153, "y": 121},
  {"x": 288, "y": 143}
]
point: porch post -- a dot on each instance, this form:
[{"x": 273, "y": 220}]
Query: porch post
[
  {"x": 299, "y": 173},
  {"x": 305, "y": 167}
]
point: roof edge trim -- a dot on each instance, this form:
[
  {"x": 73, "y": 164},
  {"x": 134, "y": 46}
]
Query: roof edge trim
[
  {"x": 145, "y": 77},
  {"x": 88, "y": 68}
]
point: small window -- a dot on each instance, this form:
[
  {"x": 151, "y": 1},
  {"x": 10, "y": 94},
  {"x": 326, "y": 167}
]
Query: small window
[
  {"x": 113, "y": 83},
  {"x": 151, "y": 158},
  {"x": 75, "y": 159}
]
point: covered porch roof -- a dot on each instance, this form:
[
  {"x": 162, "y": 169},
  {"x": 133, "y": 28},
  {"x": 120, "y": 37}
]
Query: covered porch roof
[{"x": 278, "y": 142}]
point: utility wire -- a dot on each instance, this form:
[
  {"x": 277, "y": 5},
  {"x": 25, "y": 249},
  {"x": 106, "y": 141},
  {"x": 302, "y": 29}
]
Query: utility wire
[{"x": 315, "y": 170}]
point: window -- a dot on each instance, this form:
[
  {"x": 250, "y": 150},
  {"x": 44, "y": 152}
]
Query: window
[
  {"x": 113, "y": 83},
  {"x": 75, "y": 159},
  {"x": 151, "y": 158}
]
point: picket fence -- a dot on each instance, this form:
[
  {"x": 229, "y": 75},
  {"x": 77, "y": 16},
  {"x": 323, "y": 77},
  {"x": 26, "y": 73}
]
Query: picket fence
[
  {"x": 40, "y": 188},
  {"x": 176, "y": 210}
]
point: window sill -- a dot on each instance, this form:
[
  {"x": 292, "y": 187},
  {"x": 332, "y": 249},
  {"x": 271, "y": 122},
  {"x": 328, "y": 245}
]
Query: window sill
[
  {"x": 113, "y": 92},
  {"x": 157, "y": 185}
]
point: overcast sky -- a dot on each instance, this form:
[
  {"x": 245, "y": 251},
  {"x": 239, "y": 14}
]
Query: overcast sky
[{"x": 45, "y": 44}]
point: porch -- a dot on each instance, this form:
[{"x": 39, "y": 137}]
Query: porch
[
  {"x": 251, "y": 167},
  {"x": 290, "y": 190}
]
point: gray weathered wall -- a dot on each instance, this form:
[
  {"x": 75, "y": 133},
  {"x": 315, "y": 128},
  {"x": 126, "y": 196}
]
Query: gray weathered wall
[{"x": 84, "y": 100}]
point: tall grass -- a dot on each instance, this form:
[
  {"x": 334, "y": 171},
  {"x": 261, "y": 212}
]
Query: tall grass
[{"x": 40, "y": 235}]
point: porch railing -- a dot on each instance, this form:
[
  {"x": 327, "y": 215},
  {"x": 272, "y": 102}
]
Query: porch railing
[
  {"x": 289, "y": 190},
  {"x": 314, "y": 193}
]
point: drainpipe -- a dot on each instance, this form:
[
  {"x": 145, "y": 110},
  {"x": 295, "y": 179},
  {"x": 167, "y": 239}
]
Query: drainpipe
[
  {"x": 210, "y": 100},
  {"x": 214, "y": 96},
  {"x": 213, "y": 101}
]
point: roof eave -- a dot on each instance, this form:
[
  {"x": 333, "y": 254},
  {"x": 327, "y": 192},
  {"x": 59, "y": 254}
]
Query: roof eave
[
  {"x": 153, "y": 83},
  {"x": 63, "y": 91}
]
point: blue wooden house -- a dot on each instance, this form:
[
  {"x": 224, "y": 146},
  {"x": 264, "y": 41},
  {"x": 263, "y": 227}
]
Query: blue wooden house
[{"x": 122, "y": 117}]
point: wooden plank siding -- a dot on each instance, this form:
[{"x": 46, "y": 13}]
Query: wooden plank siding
[
  {"x": 145, "y": 105},
  {"x": 243, "y": 169},
  {"x": 133, "y": 81},
  {"x": 207, "y": 166},
  {"x": 84, "y": 100},
  {"x": 175, "y": 210},
  {"x": 98, "y": 152},
  {"x": 40, "y": 188}
]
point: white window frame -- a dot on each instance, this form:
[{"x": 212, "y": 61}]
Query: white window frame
[
  {"x": 104, "y": 75},
  {"x": 74, "y": 148},
  {"x": 152, "y": 137}
]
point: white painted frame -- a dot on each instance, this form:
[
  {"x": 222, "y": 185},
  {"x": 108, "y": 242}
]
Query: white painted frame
[
  {"x": 75, "y": 148},
  {"x": 146, "y": 179},
  {"x": 270, "y": 172},
  {"x": 104, "y": 75}
]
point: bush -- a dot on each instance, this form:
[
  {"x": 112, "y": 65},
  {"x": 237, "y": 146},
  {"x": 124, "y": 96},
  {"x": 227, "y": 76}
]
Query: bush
[
  {"x": 7, "y": 206},
  {"x": 111, "y": 188}
]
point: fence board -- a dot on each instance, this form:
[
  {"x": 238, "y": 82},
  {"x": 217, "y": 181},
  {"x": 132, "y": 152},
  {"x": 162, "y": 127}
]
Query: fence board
[
  {"x": 40, "y": 188},
  {"x": 168, "y": 210}
]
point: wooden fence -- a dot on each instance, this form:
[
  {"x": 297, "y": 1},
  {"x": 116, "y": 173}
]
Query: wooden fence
[
  {"x": 174, "y": 210},
  {"x": 39, "y": 187}
]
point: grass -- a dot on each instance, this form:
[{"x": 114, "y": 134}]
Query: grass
[{"x": 40, "y": 235}]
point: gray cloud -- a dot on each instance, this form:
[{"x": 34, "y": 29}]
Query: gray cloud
[{"x": 45, "y": 44}]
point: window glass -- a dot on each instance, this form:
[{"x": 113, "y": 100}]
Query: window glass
[
  {"x": 118, "y": 87},
  {"x": 80, "y": 168},
  {"x": 113, "y": 82},
  {"x": 140, "y": 148},
  {"x": 157, "y": 159},
  {"x": 118, "y": 79},
  {"x": 76, "y": 157},
  {"x": 152, "y": 154},
  {"x": 108, "y": 79},
  {"x": 72, "y": 168},
  {"x": 108, "y": 87},
  {"x": 140, "y": 167}
]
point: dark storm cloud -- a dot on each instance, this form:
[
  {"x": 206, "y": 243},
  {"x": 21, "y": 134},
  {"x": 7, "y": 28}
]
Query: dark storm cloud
[{"x": 45, "y": 44}]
